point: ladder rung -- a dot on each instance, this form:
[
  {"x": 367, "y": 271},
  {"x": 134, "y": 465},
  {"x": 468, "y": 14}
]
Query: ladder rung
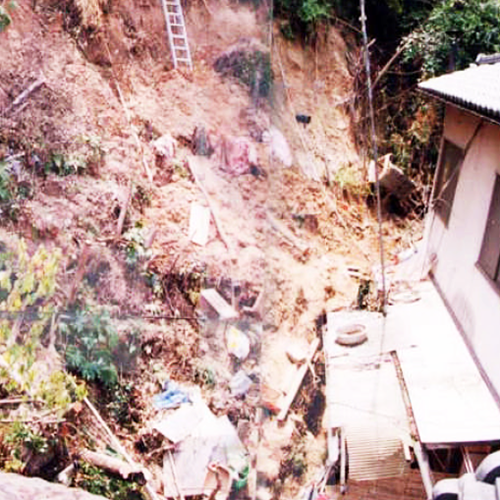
[
  {"x": 183, "y": 59},
  {"x": 176, "y": 24},
  {"x": 179, "y": 37}
]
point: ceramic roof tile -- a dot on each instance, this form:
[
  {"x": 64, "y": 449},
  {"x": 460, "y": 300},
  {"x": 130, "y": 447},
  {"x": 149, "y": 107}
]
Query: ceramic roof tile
[{"x": 476, "y": 88}]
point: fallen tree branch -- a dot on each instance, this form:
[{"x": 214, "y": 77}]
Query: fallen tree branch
[
  {"x": 384, "y": 70},
  {"x": 114, "y": 465},
  {"x": 26, "y": 93}
]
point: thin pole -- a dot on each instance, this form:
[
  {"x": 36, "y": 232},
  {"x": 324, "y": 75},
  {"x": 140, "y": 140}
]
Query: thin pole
[{"x": 375, "y": 153}]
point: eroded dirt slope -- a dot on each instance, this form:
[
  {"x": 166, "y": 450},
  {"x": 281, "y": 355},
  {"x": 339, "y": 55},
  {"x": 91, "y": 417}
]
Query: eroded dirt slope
[{"x": 107, "y": 91}]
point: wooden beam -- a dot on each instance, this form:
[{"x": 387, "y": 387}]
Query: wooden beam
[{"x": 297, "y": 381}]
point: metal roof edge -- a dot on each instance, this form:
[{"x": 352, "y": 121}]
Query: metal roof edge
[{"x": 474, "y": 110}]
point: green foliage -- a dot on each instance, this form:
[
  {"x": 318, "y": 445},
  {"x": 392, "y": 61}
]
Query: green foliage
[
  {"x": 20, "y": 435},
  {"x": 64, "y": 165},
  {"x": 348, "y": 178},
  {"x": 455, "y": 33},
  {"x": 136, "y": 251},
  {"x": 93, "y": 347},
  {"x": 90, "y": 340},
  {"x": 120, "y": 406},
  {"x": 5, "y": 19},
  {"x": 7, "y": 184},
  {"x": 28, "y": 283},
  {"x": 96, "y": 481}
]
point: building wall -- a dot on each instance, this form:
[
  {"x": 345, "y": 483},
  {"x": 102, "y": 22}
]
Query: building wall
[{"x": 472, "y": 298}]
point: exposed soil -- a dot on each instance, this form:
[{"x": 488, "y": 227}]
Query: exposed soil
[{"x": 294, "y": 234}]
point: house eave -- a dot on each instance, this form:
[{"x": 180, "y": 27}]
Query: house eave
[{"x": 490, "y": 116}]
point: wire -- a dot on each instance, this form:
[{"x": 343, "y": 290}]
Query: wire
[
  {"x": 375, "y": 154},
  {"x": 30, "y": 315}
]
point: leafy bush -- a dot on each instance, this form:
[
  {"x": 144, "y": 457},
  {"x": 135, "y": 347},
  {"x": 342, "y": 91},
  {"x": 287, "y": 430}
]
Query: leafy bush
[
  {"x": 27, "y": 284},
  {"x": 455, "y": 33},
  {"x": 96, "y": 481},
  {"x": 5, "y": 19},
  {"x": 7, "y": 184},
  {"x": 93, "y": 347},
  {"x": 64, "y": 165}
]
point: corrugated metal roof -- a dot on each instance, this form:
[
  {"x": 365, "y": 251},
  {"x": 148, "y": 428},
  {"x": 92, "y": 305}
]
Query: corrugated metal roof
[{"x": 476, "y": 88}]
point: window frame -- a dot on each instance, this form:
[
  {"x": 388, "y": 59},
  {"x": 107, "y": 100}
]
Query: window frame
[
  {"x": 489, "y": 254},
  {"x": 443, "y": 205}
]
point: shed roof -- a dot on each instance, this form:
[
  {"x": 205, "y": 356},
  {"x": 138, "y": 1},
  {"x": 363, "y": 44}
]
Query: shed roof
[{"x": 476, "y": 88}]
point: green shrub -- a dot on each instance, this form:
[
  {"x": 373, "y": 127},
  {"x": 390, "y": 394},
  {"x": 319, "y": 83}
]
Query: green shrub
[
  {"x": 96, "y": 481},
  {"x": 91, "y": 342},
  {"x": 5, "y": 19},
  {"x": 454, "y": 34}
]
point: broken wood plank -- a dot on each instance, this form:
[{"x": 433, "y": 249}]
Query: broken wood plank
[
  {"x": 297, "y": 381},
  {"x": 174, "y": 472},
  {"x": 211, "y": 298},
  {"x": 199, "y": 224},
  {"x": 211, "y": 205},
  {"x": 114, "y": 465},
  {"x": 118, "y": 446}
]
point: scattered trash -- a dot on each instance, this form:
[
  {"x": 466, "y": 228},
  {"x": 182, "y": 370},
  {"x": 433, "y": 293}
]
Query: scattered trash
[
  {"x": 304, "y": 119},
  {"x": 178, "y": 425},
  {"x": 215, "y": 307},
  {"x": 270, "y": 398},
  {"x": 199, "y": 224},
  {"x": 278, "y": 145},
  {"x": 172, "y": 396},
  {"x": 237, "y": 155},
  {"x": 240, "y": 384},
  {"x": 238, "y": 344},
  {"x": 208, "y": 461},
  {"x": 297, "y": 380}
]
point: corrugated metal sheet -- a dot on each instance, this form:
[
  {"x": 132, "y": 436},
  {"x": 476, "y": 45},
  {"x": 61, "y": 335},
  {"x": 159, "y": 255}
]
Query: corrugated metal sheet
[
  {"x": 476, "y": 88},
  {"x": 374, "y": 453}
]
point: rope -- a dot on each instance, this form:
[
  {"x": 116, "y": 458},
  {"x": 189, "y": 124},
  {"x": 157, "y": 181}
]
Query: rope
[{"x": 375, "y": 153}]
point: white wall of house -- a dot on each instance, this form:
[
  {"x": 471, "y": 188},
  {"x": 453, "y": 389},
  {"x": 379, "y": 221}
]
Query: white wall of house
[{"x": 473, "y": 299}]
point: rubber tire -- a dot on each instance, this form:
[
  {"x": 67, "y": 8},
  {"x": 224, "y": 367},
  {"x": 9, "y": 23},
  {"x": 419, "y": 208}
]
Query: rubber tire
[
  {"x": 446, "y": 489},
  {"x": 345, "y": 338},
  {"x": 489, "y": 469}
]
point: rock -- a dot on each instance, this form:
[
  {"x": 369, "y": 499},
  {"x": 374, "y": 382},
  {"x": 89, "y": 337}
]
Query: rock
[{"x": 15, "y": 486}]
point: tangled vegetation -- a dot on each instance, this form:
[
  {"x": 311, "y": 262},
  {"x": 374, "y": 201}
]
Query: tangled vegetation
[{"x": 455, "y": 33}]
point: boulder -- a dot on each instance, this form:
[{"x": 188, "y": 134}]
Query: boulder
[{"x": 17, "y": 487}]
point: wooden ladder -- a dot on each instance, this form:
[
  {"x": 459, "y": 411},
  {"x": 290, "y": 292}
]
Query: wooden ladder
[{"x": 177, "y": 35}]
